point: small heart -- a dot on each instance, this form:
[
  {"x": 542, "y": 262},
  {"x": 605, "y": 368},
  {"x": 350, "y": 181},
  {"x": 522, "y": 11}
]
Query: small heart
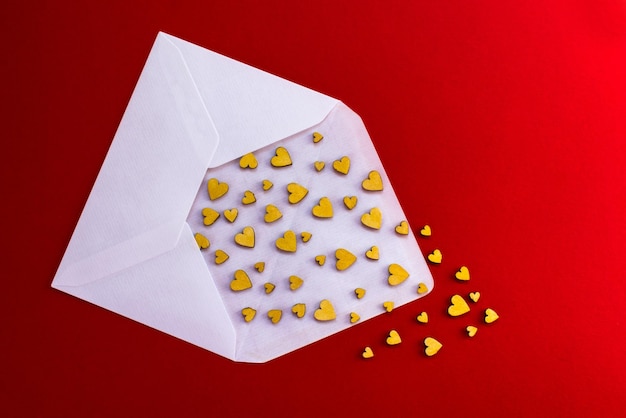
[
  {"x": 393, "y": 338},
  {"x": 367, "y": 353},
  {"x": 388, "y": 306},
  {"x": 202, "y": 241},
  {"x": 471, "y": 331},
  {"x": 421, "y": 289},
  {"x": 248, "y": 198},
  {"x": 274, "y": 315},
  {"x": 231, "y": 214},
  {"x": 246, "y": 237},
  {"x": 319, "y": 165},
  {"x": 267, "y": 185},
  {"x": 306, "y": 236},
  {"x": 463, "y": 274},
  {"x": 458, "y": 307},
  {"x": 373, "y": 219},
  {"x": 372, "y": 253},
  {"x": 287, "y": 242},
  {"x": 397, "y": 274},
  {"x": 359, "y": 292},
  {"x": 490, "y": 316},
  {"x": 216, "y": 189},
  {"x": 350, "y": 202},
  {"x": 248, "y": 161},
  {"x": 272, "y": 214},
  {"x": 342, "y": 166},
  {"x": 260, "y": 266},
  {"x": 317, "y": 137},
  {"x": 354, "y": 317},
  {"x": 295, "y": 282},
  {"x": 282, "y": 158},
  {"x": 432, "y": 346},
  {"x": 241, "y": 281},
  {"x": 324, "y": 209},
  {"x": 299, "y": 309},
  {"x": 403, "y": 228},
  {"x": 320, "y": 259},
  {"x": 344, "y": 259},
  {"x": 423, "y": 318},
  {"x": 269, "y": 288},
  {"x": 220, "y": 256},
  {"x": 474, "y": 296},
  {"x": 435, "y": 257},
  {"x": 210, "y": 216},
  {"x": 425, "y": 231},
  {"x": 248, "y": 314},
  {"x": 373, "y": 182},
  {"x": 296, "y": 192},
  {"x": 326, "y": 312}
]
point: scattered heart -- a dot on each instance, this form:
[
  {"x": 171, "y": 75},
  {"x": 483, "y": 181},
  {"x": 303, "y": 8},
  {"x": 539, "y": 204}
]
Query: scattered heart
[
  {"x": 373, "y": 219},
  {"x": 210, "y": 216},
  {"x": 432, "y": 346},
  {"x": 319, "y": 165},
  {"x": 267, "y": 185},
  {"x": 403, "y": 228},
  {"x": 248, "y": 314},
  {"x": 220, "y": 256},
  {"x": 202, "y": 241},
  {"x": 393, "y": 338},
  {"x": 388, "y": 306},
  {"x": 471, "y": 331},
  {"x": 372, "y": 253},
  {"x": 287, "y": 242},
  {"x": 490, "y": 316},
  {"x": 359, "y": 292},
  {"x": 425, "y": 231},
  {"x": 272, "y": 214},
  {"x": 216, "y": 189},
  {"x": 350, "y": 202},
  {"x": 367, "y": 353},
  {"x": 306, "y": 236},
  {"x": 324, "y": 209},
  {"x": 422, "y": 288},
  {"x": 246, "y": 237},
  {"x": 296, "y": 192},
  {"x": 474, "y": 296},
  {"x": 326, "y": 311},
  {"x": 241, "y": 281},
  {"x": 354, "y": 317},
  {"x": 260, "y": 266},
  {"x": 295, "y": 282},
  {"x": 320, "y": 259},
  {"x": 458, "y": 306},
  {"x": 248, "y": 161},
  {"x": 299, "y": 309},
  {"x": 373, "y": 182},
  {"x": 344, "y": 259},
  {"x": 274, "y": 315},
  {"x": 423, "y": 318},
  {"x": 397, "y": 274},
  {"x": 463, "y": 274},
  {"x": 342, "y": 166},
  {"x": 317, "y": 137},
  {"x": 282, "y": 158},
  {"x": 248, "y": 198},
  {"x": 269, "y": 287},
  {"x": 435, "y": 257},
  {"x": 231, "y": 214}
]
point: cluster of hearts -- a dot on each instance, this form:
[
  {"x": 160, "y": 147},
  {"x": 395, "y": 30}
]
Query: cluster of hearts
[
  {"x": 458, "y": 306},
  {"x": 288, "y": 242}
]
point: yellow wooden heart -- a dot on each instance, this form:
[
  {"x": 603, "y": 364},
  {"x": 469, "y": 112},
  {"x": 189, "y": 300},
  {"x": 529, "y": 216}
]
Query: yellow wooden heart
[
  {"x": 397, "y": 274},
  {"x": 425, "y": 231},
  {"x": 210, "y": 216},
  {"x": 267, "y": 185},
  {"x": 471, "y": 331},
  {"x": 432, "y": 346},
  {"x": 458, "y": 306},
  {"x": 202, "y": 241},
  {"x": 435, "y": 257},
  {"x": 367, "y": 353},
  {"x": 422, "y": 288},
  {"x": 220, "y": 256},
  {"x": 373, "y": 182},
  {"x": 246, "y": 237},
  {"x": 306, "y": 236},
  {"x": 241, "y": 281},
  {"x": 287, "y": 242},
  {"x": 344, "y": 259},
  {"x": 296, "y": 192},
  {"x": 272, "y": 214},
  {"x": 216, "y": 189},
  {"x": 319, "y": 165},
  {"x": 474, "y": 296},
  {"x": 248, "y": 198},
  {"x": 274, "y": 315},
  {"x": 320, "y": 259},
  {"x": 373, "y": 219},
  {"x": 317, "y": 137},
  {"x": 260, "y": 266},
  {"x": 326, "y": 311},
  {"x": 299, "y": 309},
  {"x": 403, "y": 228},
  {"x": 423, "y": 318},
  {"x": 231, "y": 214},
  {"x": 359, "y": 292},
  {"x": 282, "y": 158},
  {"x": 388, "y": 306},
  {"x": 354, "y": 317},
  {"x": 295, "y": 282},
  {"x": 248, "y": 161},
  {"x": 393, "y": 338},
  {"x": 490, "y": 316},
  {"x": 463, "y": 274},
  {"x": 372, "y": 253},
  {"x": 350, "y": 202},
  {"x": 324, "y": 209},
  {"x": 342, "y": 166},
  {"x": 269, "y": 287},
  {"x": 248, "y": 314}
]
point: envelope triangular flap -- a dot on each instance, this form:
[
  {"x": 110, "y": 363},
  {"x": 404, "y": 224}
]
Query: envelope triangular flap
[{"x": 249, "y": 107}]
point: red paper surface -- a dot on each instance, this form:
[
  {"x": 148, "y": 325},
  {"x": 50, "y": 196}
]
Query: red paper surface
[{"x": 500, "y": 124}]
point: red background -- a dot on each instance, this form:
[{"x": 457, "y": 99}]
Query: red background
[{"x": 501, "y": 124}]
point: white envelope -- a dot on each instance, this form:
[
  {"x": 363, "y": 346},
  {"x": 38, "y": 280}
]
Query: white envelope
[{"x": 133, "y": 250}]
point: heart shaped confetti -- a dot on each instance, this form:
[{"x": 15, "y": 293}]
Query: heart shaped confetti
[
  {"x": 388, "y": 306},
  {"x": 320, "y": 259},
  {"x": 403, "y": 228},
  {"x": 210, "y": 216},
  {"x": 367, "y": 353},
  {"x": 299, "y": 309},
  {"x": 425, "y": 231},
  {"x": 241, "y": 281},
  {"x": 295, "y": 282},
  {"x": 231, "y": 214},
  {"x": 269, "y": 288},
  {"x": 373, "y": 182},
  {"x": 260, "y": 266},
  {"x": 267, "y": 185},
  {"x": 422, "y": 318},
  {"x": 282, "y": 158},
  {"x": 490, "y": 316},
  {"x": 317, "y": 137},
  {"x": 287, "y": 242},
  {"x": 471, "y": 330},
  {"x": 373, "y": 219},
  {"x": 248, "y": 314},
  {"x": 359, "y": 292},
  {"x": 216, "y": 189},
  {"x": 248, "y": 198},
  {"x": 248, "y": 161},
  {"x": 326, "y": 311},
  {"x": 350, "y": 202},
  {"x": 474, "y": 296},
  {"x": 397, "y": 274},
  {"x": 296, "y": 192},
  {"x": 324, "y": 209},
  {"x": 306, "y": 236},
  {"x": 342, "y": 166},
  {"x": 463, "y": 274},
  {"x": 435, "y": 257},
  {"x": 319, "y": 165},
  {"x": 220, "y": 256},
  {"x": 246, "y": 237},
  {"x": 344, "y": 259},
  {"x": 272, "y": 214},
  {"x": 458, "y": 306},
  {"x": 393, "y": 338},
  {"x": 274, "y": 315},
  {"x": 422, "y": 288},
  {"x": 202, "y": 241},
  {"x": 432, "y": 346},
  {"x": 354, "y": 317},
  {"x": 372, "y": 253}
]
